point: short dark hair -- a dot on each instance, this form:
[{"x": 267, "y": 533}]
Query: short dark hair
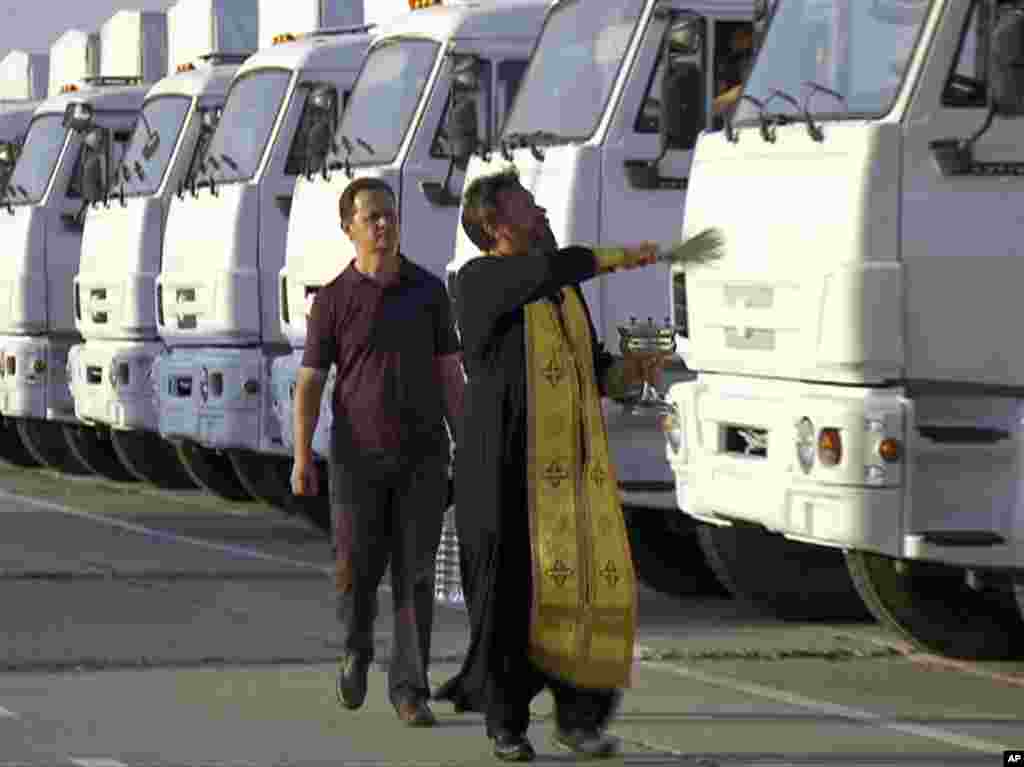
[
  {"x": 480, "y": 205},
  {"x": 347, "y": 201}
]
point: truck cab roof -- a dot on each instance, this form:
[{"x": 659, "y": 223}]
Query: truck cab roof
[
  {"x": 510, "y": 18},
  {"x": 328, "y": 50},
  {"x": 206, "y": 78},
  {"x": 111, "y": 98}
]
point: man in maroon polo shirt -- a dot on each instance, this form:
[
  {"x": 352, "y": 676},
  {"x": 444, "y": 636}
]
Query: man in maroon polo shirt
[{"x": 385, "y": 323}]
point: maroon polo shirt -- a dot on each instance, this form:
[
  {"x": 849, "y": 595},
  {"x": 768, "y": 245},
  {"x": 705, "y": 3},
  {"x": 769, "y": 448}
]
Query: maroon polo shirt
[{"x": 383, "y": 340}]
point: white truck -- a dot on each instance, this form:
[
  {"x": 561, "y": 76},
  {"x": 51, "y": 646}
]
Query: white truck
[
  {"x": 75, "y": 139},
  {"x": 216, "y": 293},
  {"x": 604, "y": 140},
  {"x": 115, "y": 287},
  {"x": 15, "y": 117},
  {"x": 857, "y": 386},
  {"x": 436, "y": 84}
]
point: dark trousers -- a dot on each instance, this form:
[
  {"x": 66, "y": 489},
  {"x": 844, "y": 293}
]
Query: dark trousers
[
  {"x": 389, "y": 511},
  {"x": 509, "y": 695},
  {"x": 513, "y": 681}
]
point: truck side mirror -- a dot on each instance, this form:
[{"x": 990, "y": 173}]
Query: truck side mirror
[
  {"x": 682, "y": 106},
  {"x": 323, "y": 124},
  {"x": 94, "y": 160},
  {"x": 462, "y": 127},
  {"x": 78, "y": 117},
  {"x": 1007, "y": 64},
  {"x": 955, "y": 156}
]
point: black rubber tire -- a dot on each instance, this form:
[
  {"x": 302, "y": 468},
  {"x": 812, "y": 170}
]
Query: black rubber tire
[
  {"x": 12, "y": 450},
  {"x": 45, "y": 442},
  {"x": 268, "y": 478},
  {"x": 933, "y": 607},
  {"x": 211, "y": 471},
  {"x": 92, "y": 447},
  {"x": 667, "y": 555},
  {"x": 788, "y": 579},
  {"x": 151, "y": 458}
]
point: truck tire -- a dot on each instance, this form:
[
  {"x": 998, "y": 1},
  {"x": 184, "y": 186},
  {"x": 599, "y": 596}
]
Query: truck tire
[
  {"x": 788, "y": 579},
  {"x": 933, "y": 606},
  {"x": 45, "y": 442},
  {"x": 667, "y": 555},
  {"x": 92, "y": 447},
  {"x": 268, "y": 479},
  {"x": 151, "y": 458},
  {"x": 12, "y": 450},
  {"x": 212, "y": 471}
]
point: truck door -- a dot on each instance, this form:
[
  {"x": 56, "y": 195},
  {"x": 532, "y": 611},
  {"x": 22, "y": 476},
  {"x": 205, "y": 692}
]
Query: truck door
[
  {"x": 961, "y": 234},
  {"x": 634, "y": 209}
]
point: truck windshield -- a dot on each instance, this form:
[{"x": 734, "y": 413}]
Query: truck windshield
[
  {"x": 164, "y": 116},
  {"x": 38, "y": 158},
  {"x": 384, "y": 99},
  {"x": 250, "y": 112},
  {"x": 859, "y": 49},
  {"x": 573, "y": 69}
]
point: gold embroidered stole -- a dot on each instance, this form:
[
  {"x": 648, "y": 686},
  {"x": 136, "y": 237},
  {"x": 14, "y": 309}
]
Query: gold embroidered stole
[{"x": 583, "y": 622}]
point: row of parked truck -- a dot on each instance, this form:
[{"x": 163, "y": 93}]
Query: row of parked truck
[{"x": 842, "y": 426}]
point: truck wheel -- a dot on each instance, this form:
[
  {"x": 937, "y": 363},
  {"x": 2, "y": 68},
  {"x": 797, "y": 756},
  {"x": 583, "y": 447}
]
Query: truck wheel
[
  {"x": 667, "y": 556},
  {"x": 788, "y": 579},
  {"x": 212, "y": 471},
  {"x": 12, "y": 450},
  {"x": 44, "y": 441},
  {"x": 92, "y": 447},
  {"x": 933, "y": 606},
  {"x": 151, "y": 458},
  {"x": 268, "y": 478}
]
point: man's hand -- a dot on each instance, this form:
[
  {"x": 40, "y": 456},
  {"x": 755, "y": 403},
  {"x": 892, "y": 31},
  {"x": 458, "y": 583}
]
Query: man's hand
[
  {"x": 644, "y": 254},
  {"x": 638, "y": 368},
  {"x": 305, "y": 479}
]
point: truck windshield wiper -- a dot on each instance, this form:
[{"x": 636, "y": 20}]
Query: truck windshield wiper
[
  {"x": 533, "y": 141},
  {"x": 347, "y": 145},
  {"x": 813, "y": 129},
  {"x": 765, "y": 121},
  {"x": 229, "y": 162},
  {"x": 138, "y": 170}
]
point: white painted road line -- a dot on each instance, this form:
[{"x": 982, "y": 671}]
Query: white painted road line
[
  {"x": 5, "y": 714},
  {"x": 867, "y": 717},
  {"x": 165, "y": 534},
  {"x": 100, "y": 762}
]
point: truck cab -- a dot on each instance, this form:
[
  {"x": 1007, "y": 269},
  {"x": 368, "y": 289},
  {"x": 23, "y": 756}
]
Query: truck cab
[
  {"x": 120, "y": 259},
  {"x": 437, "y": 83},
  {"x": 602, "y": 133},
  {"x": 73, "y": 142},
  {"x": 224, "y": 244},
  {"x": 857, "y": 387}
]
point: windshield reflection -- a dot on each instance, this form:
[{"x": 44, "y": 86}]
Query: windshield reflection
[
  {"x": 392, "y": 82},
  {"x": 859, "y": 49},
  {"x": 573, "y": 68},
  {"x": 249, "y": 115},
  {"x": 37, "y": 160},
  {"x": 165, "y": 117}
]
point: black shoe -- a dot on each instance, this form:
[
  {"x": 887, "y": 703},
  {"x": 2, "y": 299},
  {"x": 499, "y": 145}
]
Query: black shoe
[
  {"x": 352, "y": 680},
  {"x": 415, "y": 713},
  {"x": 513, "y": 748},
  {"x": 591, "y": 744}
]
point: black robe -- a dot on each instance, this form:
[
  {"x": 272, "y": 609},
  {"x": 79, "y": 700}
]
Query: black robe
[{"x": 490, "y": 466}]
